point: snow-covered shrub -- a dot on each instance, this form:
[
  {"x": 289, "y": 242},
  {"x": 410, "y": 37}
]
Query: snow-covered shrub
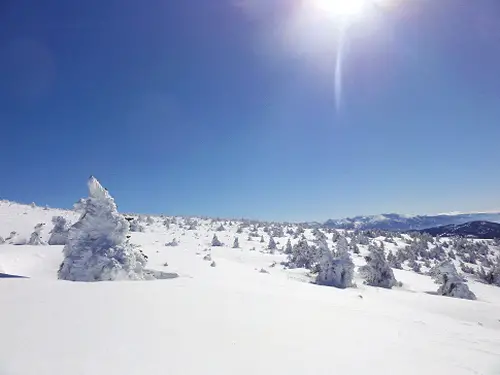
[
  {"x": 135, "y": 225},
  {"x": 220, "y": 228},
  {"x": 59, "y": 234},
  {"x": 35, "y": 238},
  {"x": 377, "y": 271},
  {"x": 236, "y": 243},
  {"x": 2, "y": 241},
  {"x": 451, "y": 284},
  {"x": 11, "y": 236},
  {"x": 215, "y": 241},
  {"x": 415, "y": 266},
  {"x": 466, "y": 269},
  {"x": 98, "y": 248},
  {"x": 172, "y": 243},
  {"x": 492, "y": 276}
]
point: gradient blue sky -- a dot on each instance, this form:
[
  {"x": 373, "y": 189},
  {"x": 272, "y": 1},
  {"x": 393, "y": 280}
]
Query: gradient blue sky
[{"x": 202, "y": 107}]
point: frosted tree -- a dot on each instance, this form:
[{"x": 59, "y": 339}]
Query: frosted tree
[
  {"x": 135, "y": 225},
  {"x": 377, "y": 271},
  {"x": 98, "y": 248},
  {"x": 393, "y": 261},
  {"x": 492, "y": 276},
  {"x": 262, "y": 239},
  {"x": 236, "y": 243},
  {"x": 288, "y": 247},
  {"x": 272, "y": 244},
  {"x": 451, "y": 284},
  {"x": 59, "y": 234},
  {"x": 215, "y": 241},
  {"x": 220, "y": 228},
  {"x": 302, "y": 255},
  {"x": 342, "y": 245},
  {"x": 35, "y": 238},
  {"x": 335, "y": 271}
]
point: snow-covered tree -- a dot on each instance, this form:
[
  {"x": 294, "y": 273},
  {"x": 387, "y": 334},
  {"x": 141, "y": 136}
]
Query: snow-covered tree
[
  {"x": 288, "y": 247},
  {"x": 215, "y": 241},
  {"x": 221, "y": 228},
  {"x": 377, "y": 271},
  {"x": 98, "y": 248},
  {"x": 335, "y": 235},
  {"x": 337, "y": 271},
  {"x": 35, "y": 238},
  {"x": 236, "y": 243},
  {"x": 135, "y": 224},
  {"x": 59, "y": 234},
  {"x": 492, "y": 276},
  {"x": 393, "y": 261},
  {"x": 262, "y": 239},
  {"x": 2, "y": 241},
  {"x": 302, "y": 255},
  {"x": 342, "y": 246},
  {"x": 451, "y": 284},
  {"x": 272, "y": 244}
]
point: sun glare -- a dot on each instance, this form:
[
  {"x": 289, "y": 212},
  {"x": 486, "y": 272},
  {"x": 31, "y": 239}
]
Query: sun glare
[{"x": 342, "y": 8}]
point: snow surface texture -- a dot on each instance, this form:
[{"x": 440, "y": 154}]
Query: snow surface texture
[
  {"x": 98, "y": 248},
  {"x": 247, "y": 315}
]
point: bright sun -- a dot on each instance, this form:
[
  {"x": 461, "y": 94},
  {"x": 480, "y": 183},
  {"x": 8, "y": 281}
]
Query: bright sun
[{"x": 343, "y": 8}]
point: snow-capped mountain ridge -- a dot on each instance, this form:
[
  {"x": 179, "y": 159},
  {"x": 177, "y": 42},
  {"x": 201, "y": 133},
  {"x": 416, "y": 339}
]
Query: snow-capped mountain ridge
[{"x": 398, "y": 222}]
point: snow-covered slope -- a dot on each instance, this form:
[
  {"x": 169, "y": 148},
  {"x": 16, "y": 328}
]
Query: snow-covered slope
[
  {"x": 407, "y": 222},
  {"x": 242, "y": 314}
]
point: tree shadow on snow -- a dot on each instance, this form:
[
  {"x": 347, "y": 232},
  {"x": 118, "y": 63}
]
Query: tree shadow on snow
[
  {"x": 160, "y": 275},
  {"x": 7, "y": 276}
]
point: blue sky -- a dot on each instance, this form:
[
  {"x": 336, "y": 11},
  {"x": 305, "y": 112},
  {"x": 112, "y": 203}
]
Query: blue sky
[{"x": 207, "y": 108}]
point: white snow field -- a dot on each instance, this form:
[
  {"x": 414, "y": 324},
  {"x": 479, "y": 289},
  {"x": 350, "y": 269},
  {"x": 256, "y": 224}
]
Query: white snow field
[{"x": 229, "y": 318}]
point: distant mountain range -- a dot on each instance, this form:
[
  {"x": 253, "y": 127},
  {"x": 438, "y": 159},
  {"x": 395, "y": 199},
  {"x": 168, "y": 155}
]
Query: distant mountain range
[
  {"x": 396, "y": 222},
  {"x": 473, "y": 229}
]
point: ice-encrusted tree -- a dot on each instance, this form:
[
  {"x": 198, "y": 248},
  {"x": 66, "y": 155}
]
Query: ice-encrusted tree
[
  {"x": 98, "y": 248},
  {"x": 236, "y": 243},
  {"x": 302, "y": 255},
  {"x": 451, "y": 284},
  {"x": 342, "y": 245},
  {"x": 59, "y": 234},
  {"x": 215, "y": 241},
  {"x": 336, "y": 271},
  {"x": 272, "y": 244},
  {"x": 492, "y": 276},
  {"x": 35, "y": 238},
  {"x": 377, "y": 271},
  {"x": 135, "y": 224}
]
